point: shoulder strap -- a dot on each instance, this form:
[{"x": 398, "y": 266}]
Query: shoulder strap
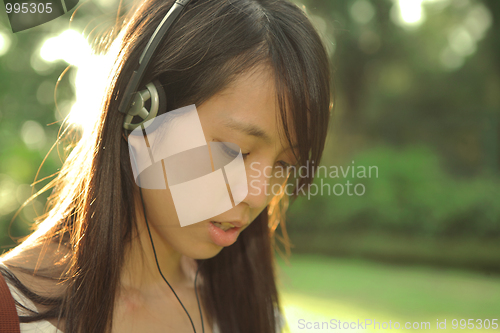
[{"x": 9, "y": 321}]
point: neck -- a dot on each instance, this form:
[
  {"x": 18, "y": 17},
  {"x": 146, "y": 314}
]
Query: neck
[{"x": 140, "y": 271}]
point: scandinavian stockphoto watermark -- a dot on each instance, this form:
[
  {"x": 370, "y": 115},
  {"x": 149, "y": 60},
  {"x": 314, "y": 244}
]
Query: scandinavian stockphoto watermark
[
  {"x": 170, "y": 152},
  {"x": 373, "y": 324},
  {"x": 349, "y": 179}
]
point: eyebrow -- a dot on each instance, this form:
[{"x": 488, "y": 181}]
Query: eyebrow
[{"x": 249, "y": 129}]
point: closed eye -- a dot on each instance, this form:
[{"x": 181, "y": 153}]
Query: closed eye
[
  {"x": 284, "y": 164},
  {"x": 231, "y": 152}
]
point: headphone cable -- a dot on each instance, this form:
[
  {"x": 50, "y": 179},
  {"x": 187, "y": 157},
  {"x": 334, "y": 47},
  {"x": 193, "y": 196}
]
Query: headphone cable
[{"x": 159, "y": 270}]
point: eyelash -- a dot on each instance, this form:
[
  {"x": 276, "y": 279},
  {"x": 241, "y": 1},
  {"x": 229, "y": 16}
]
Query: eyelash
[
  {"x": 284, "y": 164},
  {"x": 233, "y": 153}
]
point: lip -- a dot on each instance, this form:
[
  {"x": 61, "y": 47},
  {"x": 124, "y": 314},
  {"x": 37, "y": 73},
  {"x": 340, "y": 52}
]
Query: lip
[
  {"x": 221, "y": 237},
  {"x": 237, "y": 224}
]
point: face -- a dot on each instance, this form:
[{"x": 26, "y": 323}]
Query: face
[{"x": 246, "y": 114}]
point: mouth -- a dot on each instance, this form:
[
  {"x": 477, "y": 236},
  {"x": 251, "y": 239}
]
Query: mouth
[
  {"x": 224, "y": 225},
  {"x": 223, "y": 233}
]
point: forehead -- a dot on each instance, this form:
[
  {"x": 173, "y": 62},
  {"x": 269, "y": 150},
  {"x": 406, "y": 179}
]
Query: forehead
[{"x": 249, "y": 99}]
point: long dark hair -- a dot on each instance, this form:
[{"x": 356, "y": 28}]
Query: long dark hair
[{"x": 90, "y": 212}]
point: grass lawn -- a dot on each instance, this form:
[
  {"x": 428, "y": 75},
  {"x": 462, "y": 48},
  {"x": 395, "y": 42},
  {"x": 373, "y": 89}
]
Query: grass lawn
[{"x": 317, "y": 288}]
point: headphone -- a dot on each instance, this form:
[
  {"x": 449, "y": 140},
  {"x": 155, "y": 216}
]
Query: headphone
[{"x": 135, "y": 104}]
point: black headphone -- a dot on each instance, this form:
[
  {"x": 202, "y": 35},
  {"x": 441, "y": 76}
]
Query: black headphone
[
  {"x": 133, "y": 102},
  {"x": 134, "y": 105}
]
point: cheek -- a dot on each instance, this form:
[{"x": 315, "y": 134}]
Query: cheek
[{"x": 160, "y": 207}]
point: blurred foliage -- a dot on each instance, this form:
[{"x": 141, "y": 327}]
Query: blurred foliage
[
  {"x": 413, "y": 212},
  {"x": 412, "y": 195},
  {"x": 421, "y": 102},
  {"x": 417, "y": 96},
  {"x": 31, "y": 113}
]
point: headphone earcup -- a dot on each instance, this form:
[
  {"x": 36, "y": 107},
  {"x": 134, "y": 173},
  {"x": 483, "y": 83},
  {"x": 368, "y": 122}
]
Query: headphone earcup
[
  {"x": 162, "y": 108},
  {"x": 146, "y": 105}
]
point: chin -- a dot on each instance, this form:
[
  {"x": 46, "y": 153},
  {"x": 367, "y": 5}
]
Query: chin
[{"x": 203, "y": 252}]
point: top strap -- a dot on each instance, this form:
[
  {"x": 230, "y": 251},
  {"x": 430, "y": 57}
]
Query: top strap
[{"x": 9, "y": 321}]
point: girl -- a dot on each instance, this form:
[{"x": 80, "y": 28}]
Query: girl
[{"x": 110, "y": 256}]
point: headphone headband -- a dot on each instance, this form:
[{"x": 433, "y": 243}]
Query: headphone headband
[{"x": 148, "y": 52}]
